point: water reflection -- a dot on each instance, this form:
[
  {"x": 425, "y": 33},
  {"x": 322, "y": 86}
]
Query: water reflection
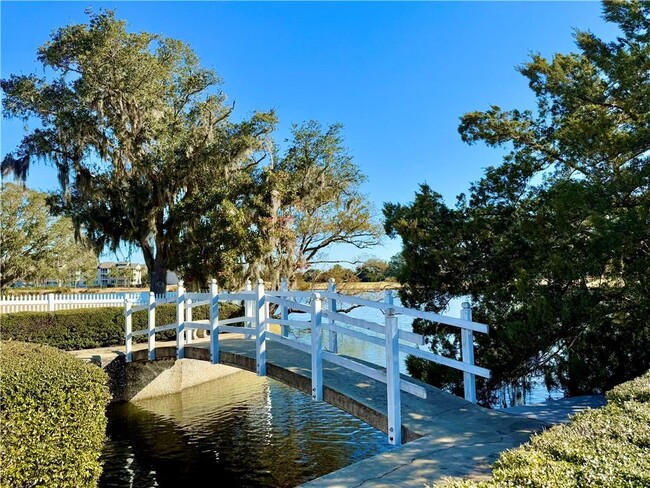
[{"x": 241, "y": 430}]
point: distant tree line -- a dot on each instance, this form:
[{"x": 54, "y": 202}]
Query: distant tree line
[{"x": 371, "y": 270}]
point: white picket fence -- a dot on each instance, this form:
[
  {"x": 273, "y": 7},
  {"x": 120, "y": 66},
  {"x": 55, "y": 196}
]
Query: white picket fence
[
  {"x": 52, "y": 302},
  {"x": 322, "y": 309}
]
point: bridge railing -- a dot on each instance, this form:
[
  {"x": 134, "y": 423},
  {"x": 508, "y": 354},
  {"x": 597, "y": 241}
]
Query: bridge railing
[{"x": 256, "y": 320}]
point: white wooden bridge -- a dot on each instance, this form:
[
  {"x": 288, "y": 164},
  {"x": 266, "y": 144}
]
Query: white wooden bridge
[{"x": 256, "y": 322}]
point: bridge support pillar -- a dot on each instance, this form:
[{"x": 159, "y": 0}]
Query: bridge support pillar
[
  {"x": 151, "y": 327},
  {"x": 261, "y": 325},
  {"x": 316, "y": 348},
  {"x": 334, "y": 338},
  {"x": 128, "y": 330},
  {"x": 249, "y": 306},
  {"x": 284, "y": 310},
  {"x": 180, "y": 321},
  {"x": 189, "y": 332},
  {"x": 214, "y": 322},
  {"x": 393, "y": 379},
  {"x": 467, "y": 346}
]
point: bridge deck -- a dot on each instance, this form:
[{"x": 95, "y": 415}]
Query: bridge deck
[{"x": 453, "y": 436}]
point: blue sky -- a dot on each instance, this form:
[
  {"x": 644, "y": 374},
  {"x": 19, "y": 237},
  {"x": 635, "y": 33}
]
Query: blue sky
[{"x": 397, "y": 75}]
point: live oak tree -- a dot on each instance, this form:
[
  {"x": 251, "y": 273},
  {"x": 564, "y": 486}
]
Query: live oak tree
[
  {"x": 23, "y": 236},
  {"x": 285, "y": 216},
  {"x": 227, "y": 238},
  {"x": 553, "y": 245},
  {"x": 311, "y": 202},
  {"x": 136, "y": 129},
  {"x": 34, "y": 245}
]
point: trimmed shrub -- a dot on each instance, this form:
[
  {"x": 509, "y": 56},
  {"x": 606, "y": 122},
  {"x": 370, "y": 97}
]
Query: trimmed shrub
[
  {"x": 607, "y": 447},
  {"x": 93, "y": 327},
  {"x": 52, "y": 421},
  {"x": 637, "y": 390}
]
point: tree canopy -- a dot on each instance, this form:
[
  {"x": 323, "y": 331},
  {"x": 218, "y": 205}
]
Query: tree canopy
[
  {"x": 312, "y": 201},
  {"x": 283, "y": 217},
  {"x": 135, "y": 127},
  {"x": 552, "y": 245},
  {"x": 148, "y": 155}
]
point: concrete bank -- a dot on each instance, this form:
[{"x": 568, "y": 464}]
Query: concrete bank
[{"x": 148, "y": 379}]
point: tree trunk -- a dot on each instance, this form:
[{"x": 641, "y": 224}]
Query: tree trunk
[
  {"x": 156, "y": 266},
  {"x": 158, "y": 280}
]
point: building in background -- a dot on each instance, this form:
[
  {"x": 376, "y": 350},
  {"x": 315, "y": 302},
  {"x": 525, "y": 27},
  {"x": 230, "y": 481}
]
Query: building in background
[
  {"x": 172, "y": 278},
  {"x": 122, "y": 274}
]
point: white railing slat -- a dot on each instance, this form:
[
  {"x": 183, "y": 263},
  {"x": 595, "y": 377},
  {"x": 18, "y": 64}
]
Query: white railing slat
[
  {"x": 445, "y": 361},
  {"x": 237, "y": 330},
  {"x": 363, "y": 324},
  {"x": 235, "y": 320},
  {"x": 198, "y": 325},
  {"x": 163, "y": 328},
  {"x": 236, "y": 297},
  {"x": 354, "y": 333},
  {"x": 199, "y": 303},
  {"x": 375, "y": 374},
  {"x": 297, "y": 324},
  {"x": 289, "y": 342},
  {"x": 289, "y": 303}
]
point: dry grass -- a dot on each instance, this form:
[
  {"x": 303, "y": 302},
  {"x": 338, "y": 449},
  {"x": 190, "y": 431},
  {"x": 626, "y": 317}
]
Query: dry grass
[{"x": 353, "y": 287}]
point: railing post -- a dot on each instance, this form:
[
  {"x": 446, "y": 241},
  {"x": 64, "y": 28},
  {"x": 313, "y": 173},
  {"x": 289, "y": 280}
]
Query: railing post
[
  {"x": 316, "y": 347},
  {"x": 260, "y": 326},
  {"x": 467, "y": 346},
  {"x": 128, "y": 331},
  {"x": 389, "y": 298},
  {"x": 393, "y": 378},
  {"x": 189, "y": 332},
  {"x": 334, "y": 338},
  {"x": 50, "y": 302},
  {"x": 151, "y": 326},
  {"x": 214, "y": 322},
  {"x": 249, "y": 306},
  {"x": 180, "y": 321},
  {"x": 284, "y": 310}
]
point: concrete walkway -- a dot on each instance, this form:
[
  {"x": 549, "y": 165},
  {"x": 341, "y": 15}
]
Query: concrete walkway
[{"x": 558, "y": 411}]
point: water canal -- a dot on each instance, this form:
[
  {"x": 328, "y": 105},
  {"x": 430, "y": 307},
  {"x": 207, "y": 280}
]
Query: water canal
[{"x": 240, "y": 431}]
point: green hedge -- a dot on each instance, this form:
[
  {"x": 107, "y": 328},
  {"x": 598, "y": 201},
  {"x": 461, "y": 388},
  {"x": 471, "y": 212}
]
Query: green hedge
[
  {"x": 52, "y": 422},
  {"x": 93, "y": 327},
  {"x": 608, "y": 447},
  {"x": 637, "y": 390}
]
